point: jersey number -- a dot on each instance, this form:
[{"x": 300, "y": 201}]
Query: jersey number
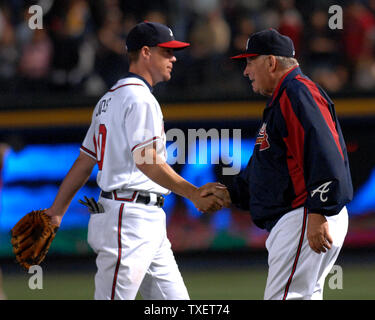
[{"x": 100, "y": 145}]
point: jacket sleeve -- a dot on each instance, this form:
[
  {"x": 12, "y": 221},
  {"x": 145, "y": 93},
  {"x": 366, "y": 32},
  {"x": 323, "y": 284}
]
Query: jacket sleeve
[
  {"x": 314, "y": 142},
  {"x": 239, "y": 189}
]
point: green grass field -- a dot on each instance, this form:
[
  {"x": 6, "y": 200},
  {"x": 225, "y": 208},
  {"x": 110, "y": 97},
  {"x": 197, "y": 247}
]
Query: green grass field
[{"x": 226, "y": 284}]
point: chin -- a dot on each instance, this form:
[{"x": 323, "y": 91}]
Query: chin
[{"x": 255, "y": 89}]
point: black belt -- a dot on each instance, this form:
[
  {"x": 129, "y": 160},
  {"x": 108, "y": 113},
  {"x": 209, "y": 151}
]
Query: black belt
[{"x": 145, "y": 199}]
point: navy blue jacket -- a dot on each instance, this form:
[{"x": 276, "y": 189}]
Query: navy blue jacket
[{"x": 299, "y": 157}]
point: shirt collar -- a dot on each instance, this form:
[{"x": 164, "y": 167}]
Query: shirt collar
[
  {"x": 285, "y": 79},
  {"x": 134, "y": 75}
]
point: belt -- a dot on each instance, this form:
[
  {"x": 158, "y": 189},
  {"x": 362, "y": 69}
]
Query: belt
[{"x": 150, "y": 199}]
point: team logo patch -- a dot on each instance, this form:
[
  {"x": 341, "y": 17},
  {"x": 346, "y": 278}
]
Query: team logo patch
[
  {"x": 322, "y": 190},
  {"x": 262, "y": 138}
]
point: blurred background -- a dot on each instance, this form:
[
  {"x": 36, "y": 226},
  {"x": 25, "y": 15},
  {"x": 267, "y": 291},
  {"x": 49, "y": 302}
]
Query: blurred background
[{"x": 51, "y": 79}]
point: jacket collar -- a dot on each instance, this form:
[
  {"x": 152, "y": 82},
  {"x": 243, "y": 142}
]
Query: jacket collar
[{"x": 282, "y": 83}]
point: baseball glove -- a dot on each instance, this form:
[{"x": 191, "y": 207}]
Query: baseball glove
[{"x": 31, "y": 238}]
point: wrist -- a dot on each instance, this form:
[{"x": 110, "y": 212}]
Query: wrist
[
  {"x": 314, "y": 213},
  {"x": 52, "y": 212},
  {"x": 192, "y": 193}
]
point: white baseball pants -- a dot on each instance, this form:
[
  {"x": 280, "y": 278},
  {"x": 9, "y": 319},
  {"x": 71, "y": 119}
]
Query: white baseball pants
[
  {"x": 295, "y": 270},
  {"x": 133, "y": 253}
]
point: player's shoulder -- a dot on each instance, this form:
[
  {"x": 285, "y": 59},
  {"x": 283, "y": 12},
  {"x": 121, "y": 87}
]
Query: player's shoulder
[
  {"x": 129, "y": 85},
  {"x": 132, "y": 92}
]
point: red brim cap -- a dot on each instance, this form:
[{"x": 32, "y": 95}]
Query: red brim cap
[
  {"x": 245, "y": 55},
  {"x": 174, "y": 44}
]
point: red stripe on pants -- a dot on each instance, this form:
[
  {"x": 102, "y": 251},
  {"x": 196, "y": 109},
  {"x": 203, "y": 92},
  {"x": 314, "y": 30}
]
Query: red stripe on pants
[
  {"x": 119, "y": 252},
  {"x": 297, "y": 254}
]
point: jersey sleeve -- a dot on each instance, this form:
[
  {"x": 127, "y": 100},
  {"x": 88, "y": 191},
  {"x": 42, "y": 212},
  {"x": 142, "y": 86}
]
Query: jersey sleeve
[
  {"x": 316, "y": 154},
  {"x": 88, "y": 144},
  {"x": 142, "y": 125}
]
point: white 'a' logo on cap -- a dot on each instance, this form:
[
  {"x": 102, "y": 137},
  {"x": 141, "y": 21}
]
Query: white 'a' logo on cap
[
  {"x": 247, "y": 43},
  {"x": 170, "y": 32}
]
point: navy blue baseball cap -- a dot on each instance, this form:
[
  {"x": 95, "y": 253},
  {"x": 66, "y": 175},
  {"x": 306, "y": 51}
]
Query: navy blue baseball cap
[
  {"x": 267, "y": 42},
  {"x": 152, "y": 34}
]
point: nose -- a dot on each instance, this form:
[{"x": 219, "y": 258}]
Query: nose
[
  {"x": 246, "y": 72},
  {"x": 173, "y": 59}
]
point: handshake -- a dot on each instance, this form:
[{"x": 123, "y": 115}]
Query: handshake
[{"x": 211, "y": 197}]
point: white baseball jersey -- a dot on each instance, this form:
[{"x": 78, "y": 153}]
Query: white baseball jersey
[
  {"x": 130, "y": 238},
  {"x": 128, "y": 117}
]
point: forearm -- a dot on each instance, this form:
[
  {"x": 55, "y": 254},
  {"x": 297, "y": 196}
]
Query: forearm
[
  {"x": 164, "y": 175},
  {"x": 73, "y": 181}
]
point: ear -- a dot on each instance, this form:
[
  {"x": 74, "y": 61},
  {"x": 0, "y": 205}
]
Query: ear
[
  {"x": 272, "y": 63},
  {"x": 145, "y": 52}
]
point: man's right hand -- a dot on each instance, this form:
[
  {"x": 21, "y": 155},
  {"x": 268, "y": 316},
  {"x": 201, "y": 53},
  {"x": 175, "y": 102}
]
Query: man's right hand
[
  {"x": 218, "y": 190},
  {"x": 207, "y": 204}
]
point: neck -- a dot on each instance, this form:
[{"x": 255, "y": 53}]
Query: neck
[
  {"x": 279, "y": 76},
  {"x": 141, "y": 71}
]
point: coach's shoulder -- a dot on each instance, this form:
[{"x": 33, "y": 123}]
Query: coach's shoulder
[
  {"x": 298, "y": 87},
  {"x": 296, "y": 84}
]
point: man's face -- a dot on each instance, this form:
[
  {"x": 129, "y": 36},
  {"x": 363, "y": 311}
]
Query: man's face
[
  {"x": 257, "y": 71},
  {"x": 161, "y": 63}
]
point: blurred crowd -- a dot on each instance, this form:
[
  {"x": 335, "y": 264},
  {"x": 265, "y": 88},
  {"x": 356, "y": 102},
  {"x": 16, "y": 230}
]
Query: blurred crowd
[{"x": 80, "y": 48}]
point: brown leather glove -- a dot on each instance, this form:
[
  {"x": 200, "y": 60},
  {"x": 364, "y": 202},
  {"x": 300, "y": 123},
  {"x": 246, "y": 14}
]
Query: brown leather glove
[{"x": 31, "y": 238}]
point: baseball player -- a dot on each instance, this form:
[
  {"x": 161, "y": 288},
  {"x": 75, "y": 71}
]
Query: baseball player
[
  {"x": 297, "y": 182},
  {"x": 126, "y": 139}
]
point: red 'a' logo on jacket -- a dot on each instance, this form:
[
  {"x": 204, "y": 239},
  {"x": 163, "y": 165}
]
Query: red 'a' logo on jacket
[{"x": 262, "y": 138}]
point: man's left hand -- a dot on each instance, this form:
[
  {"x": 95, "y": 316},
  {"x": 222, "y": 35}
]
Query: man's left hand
[{"x": 318, "y": 233}]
